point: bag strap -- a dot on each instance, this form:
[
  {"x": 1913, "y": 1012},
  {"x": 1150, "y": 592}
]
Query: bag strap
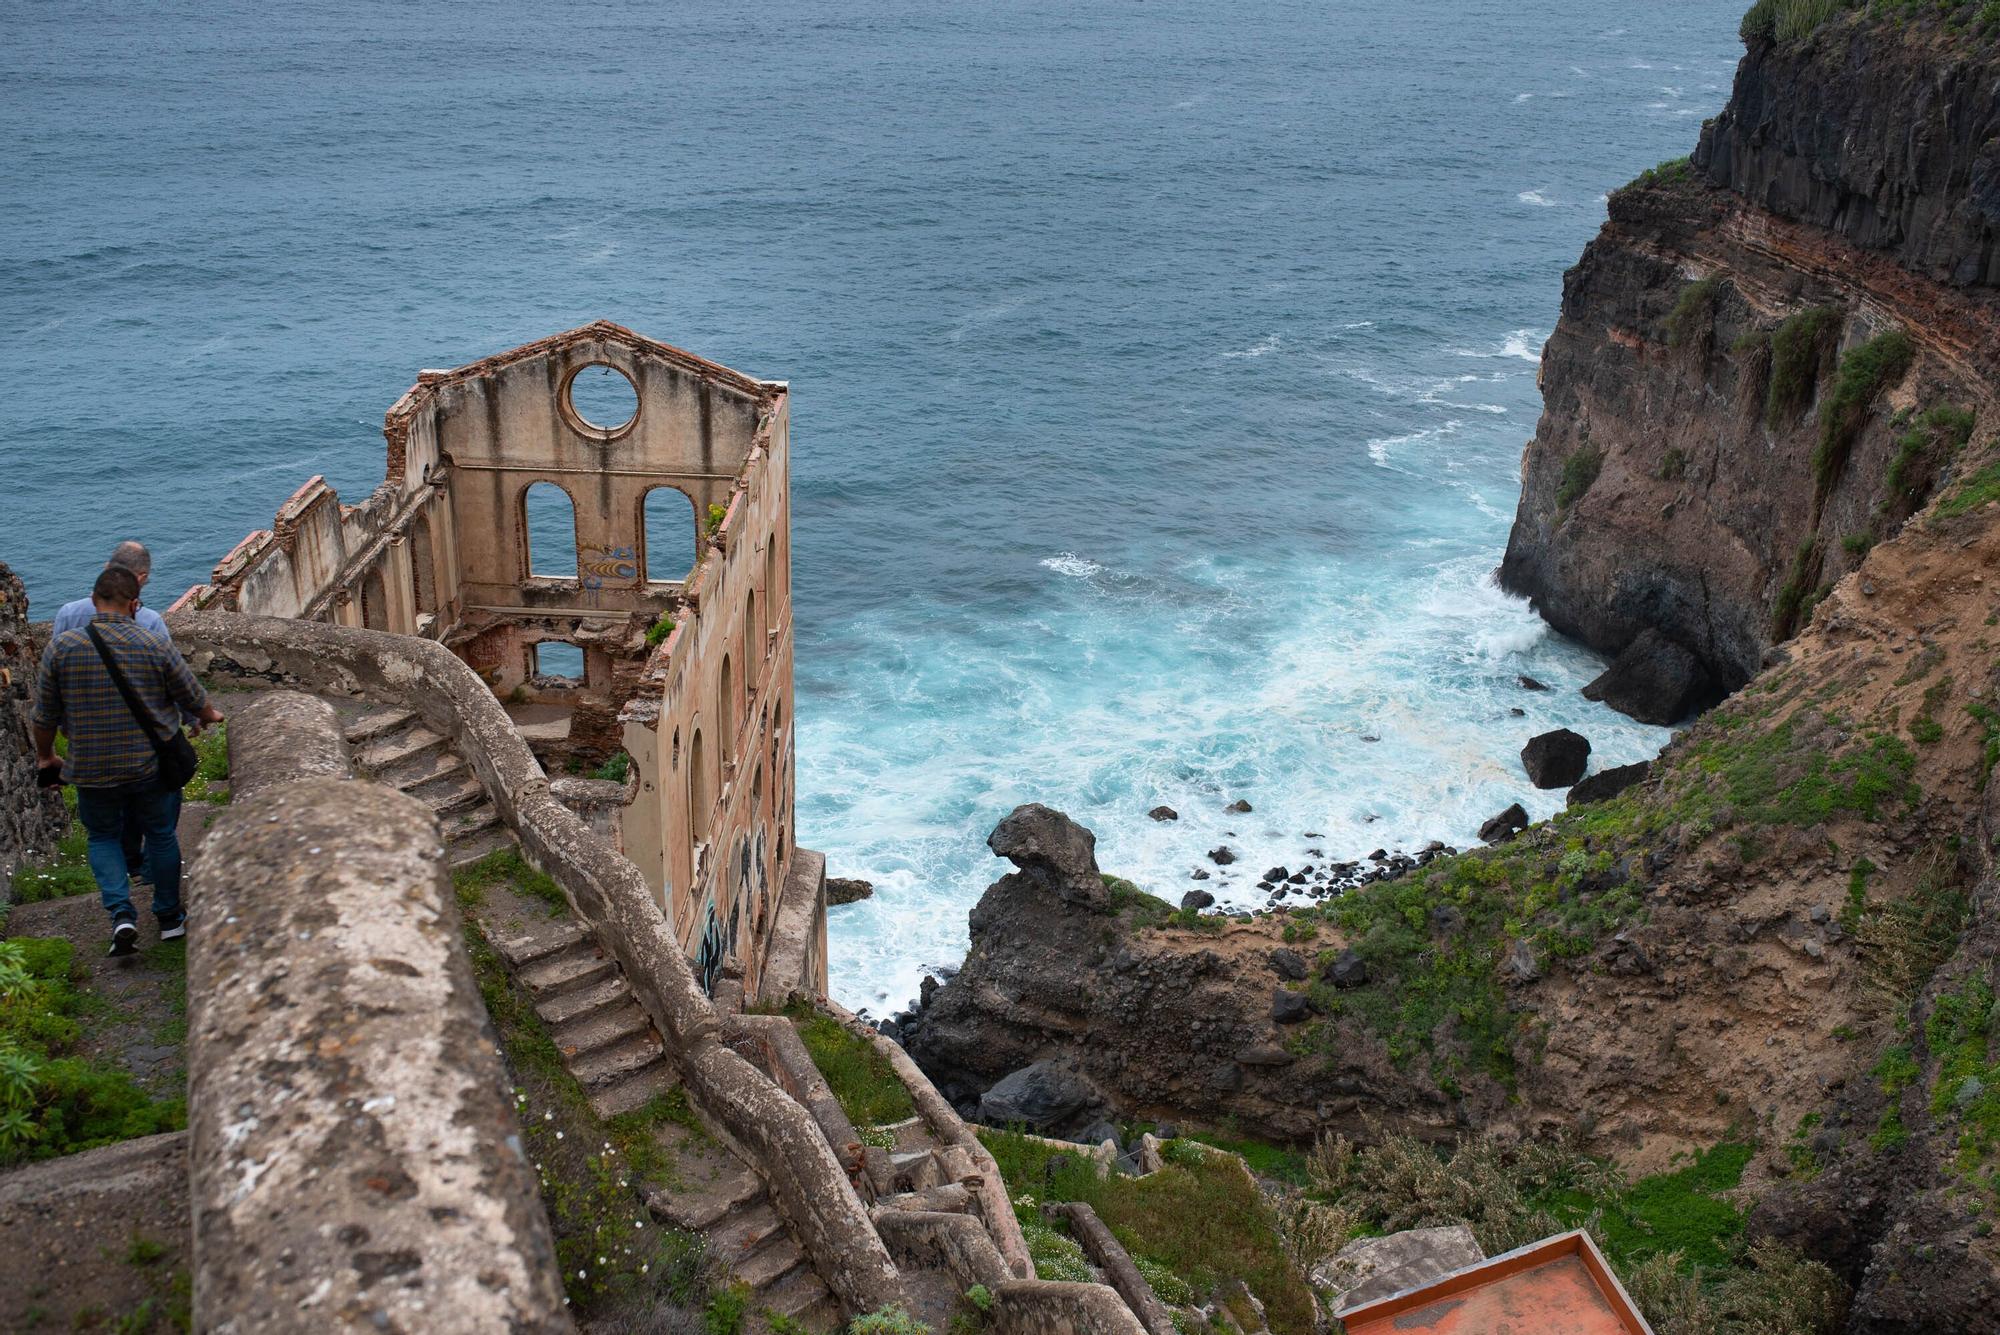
[{"x": 139, "y": 714}]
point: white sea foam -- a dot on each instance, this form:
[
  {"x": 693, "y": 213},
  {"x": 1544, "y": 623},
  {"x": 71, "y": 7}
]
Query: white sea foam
[
  {"x": 1262, "y": 348},
  {"x": 1524, "y": 97},
  {"x": 1069, "y": 563},
  {"x": 1537, "y": 198}
]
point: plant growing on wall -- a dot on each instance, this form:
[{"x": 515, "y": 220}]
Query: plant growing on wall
[{"x": 716, "y": 514}]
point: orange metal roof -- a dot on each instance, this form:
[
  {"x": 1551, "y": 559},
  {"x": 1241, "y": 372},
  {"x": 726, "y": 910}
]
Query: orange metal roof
[{"x": 1558, "y": 1286}]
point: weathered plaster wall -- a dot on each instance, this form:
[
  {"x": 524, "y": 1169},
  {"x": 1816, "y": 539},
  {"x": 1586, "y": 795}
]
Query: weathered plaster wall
[{"x": 712, "y": 825}]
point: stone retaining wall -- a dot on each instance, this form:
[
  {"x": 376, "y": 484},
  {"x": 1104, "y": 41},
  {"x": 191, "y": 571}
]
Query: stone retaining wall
[{"x": 31, "y": 819}]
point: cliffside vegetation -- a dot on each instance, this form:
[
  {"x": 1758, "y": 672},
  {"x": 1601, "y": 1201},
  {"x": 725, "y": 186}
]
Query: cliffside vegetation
[{"x": 1791, "y": 20}]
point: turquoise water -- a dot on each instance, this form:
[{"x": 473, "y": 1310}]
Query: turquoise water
[{"x": 1160, "y": 370}]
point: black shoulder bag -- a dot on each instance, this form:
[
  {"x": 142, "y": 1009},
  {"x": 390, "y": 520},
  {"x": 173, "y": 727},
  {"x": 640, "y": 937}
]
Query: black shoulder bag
[{"x": 178, "y": 761}]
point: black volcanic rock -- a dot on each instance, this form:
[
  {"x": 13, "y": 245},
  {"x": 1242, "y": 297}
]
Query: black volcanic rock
[
  {"x": 1655, "y": 680},
  {"x": 1505, "y": 826},
  {"x": 1053, "y": 849},
  {"x": 1556, "y": 759},
  {"x": 1164, "y": 813},
  {"x": 1609, "y": 783}
]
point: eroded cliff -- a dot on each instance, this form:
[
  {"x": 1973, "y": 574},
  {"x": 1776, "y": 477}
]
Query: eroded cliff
[{"x": 1772, "y": 355}]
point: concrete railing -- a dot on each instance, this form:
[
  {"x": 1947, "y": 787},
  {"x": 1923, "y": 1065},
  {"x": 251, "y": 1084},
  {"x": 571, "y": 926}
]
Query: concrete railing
[
  {"x": 808, "y": 1185},
  {"x": 354, "y": 1161},
  {"x": 995, "y": 1206}
]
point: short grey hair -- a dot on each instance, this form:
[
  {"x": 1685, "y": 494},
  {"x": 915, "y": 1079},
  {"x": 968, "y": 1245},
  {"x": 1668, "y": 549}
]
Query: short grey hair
[{"x": 133, "y": 556}]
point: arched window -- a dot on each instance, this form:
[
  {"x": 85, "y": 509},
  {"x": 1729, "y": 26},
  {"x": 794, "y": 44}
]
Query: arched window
[
  {"x": 672, "y": 535},
  {"x": 700, "y": 797},
  {"x": 753, "y": 652},
  {"x": 725, "y": 710},
  {"x": 374, "y": 599},
  {"x": 548, "y": 518},
  {"x": 423, "y": 565}
]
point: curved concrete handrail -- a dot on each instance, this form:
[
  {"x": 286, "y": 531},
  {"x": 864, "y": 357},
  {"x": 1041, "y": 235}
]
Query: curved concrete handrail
[
  {"x": 807, "y": 1183},
  {"x": 951, "y": 1129}
]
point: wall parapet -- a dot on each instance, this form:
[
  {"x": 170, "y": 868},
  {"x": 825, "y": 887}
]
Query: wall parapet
[
  {"x": 607, "y": 892},
  {"x": 353, "y": 1156}
]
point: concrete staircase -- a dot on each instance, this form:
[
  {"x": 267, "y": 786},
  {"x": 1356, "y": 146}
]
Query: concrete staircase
[{"x": 607, "y": 1040}]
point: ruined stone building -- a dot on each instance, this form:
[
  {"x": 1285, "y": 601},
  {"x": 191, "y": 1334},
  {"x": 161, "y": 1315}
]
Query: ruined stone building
[{"x": 676, "y": 589}]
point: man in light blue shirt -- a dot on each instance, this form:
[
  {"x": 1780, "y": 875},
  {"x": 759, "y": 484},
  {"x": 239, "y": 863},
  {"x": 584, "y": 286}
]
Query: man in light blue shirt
[{"x": 134, "y": 557}]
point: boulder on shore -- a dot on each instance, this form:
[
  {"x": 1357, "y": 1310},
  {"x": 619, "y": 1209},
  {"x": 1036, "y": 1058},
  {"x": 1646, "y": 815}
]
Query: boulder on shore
[
  {"x": 1055, "y": 850},
  {"x": 1038, "y": 1096},
  {"x": 1655, "y": 680},
  {"x": 1197, "y": 899},
  {"x": 847, "y": 889},
  {"x": 1610, "y": 782},
  {"x": 1556, "y": 759},
  {"x": 1498, "y": 829}
]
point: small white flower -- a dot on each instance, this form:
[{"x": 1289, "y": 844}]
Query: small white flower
[
  {"x": 644, "y": 1268},
  {"x": 579, "y": 1274},
  {"x": 548, "y": 1117},
  {"x": 558, "y": 1135}
]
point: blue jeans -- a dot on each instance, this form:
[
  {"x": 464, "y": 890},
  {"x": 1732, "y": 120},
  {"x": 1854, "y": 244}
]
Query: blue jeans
[{"x": 157, "y": 810}]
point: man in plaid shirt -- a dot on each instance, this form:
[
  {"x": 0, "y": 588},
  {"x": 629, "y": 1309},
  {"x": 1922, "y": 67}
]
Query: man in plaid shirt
[{"x": 111, "y": 759}]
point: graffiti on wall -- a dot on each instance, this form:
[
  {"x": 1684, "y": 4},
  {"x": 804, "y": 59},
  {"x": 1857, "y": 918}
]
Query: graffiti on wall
[{"x": 607, "y": 565}]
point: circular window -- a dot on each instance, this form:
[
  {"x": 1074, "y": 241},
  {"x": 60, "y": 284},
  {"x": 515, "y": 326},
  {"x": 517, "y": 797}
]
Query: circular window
[{"x": 600, "y": 401}]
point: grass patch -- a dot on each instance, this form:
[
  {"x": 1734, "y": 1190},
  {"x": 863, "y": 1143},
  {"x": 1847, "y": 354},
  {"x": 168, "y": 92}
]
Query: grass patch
[
  {"x": 615, "y": 1261},
  {"x": 1801, "y": 349},
  {"x": 1200, "y": 1219},
  {"x": 506, "y": 866},
  {"x": 66, "y": 872},
  {"x": 1966, "y": 1092},
  {"x": 861, "y": 1078},
  {"x": 1864, "y": 374},
  {"x": 211, "y": 772},
  {"x": 1265, "y": 1160},
  {"x": 1691, "y": 323},
  {"x": 53, "y": 1103},
  {"x": 1791, "y": 609},
  {"x": 1904, "y": 940},
  {"x": 1980, "y": 489},
  {"x": 1788, "y": 20},
  {"x": 1988, "y": 719},
  {"x": 1580, "y": 470},
  {"x": 1774, "y": 778}
]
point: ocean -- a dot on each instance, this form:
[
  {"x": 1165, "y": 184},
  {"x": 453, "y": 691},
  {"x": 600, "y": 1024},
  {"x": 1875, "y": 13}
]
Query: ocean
[{"x": 1160, "y": 370}]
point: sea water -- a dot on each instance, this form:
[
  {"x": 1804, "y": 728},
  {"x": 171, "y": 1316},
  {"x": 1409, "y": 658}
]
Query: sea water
[{"x": 1160, "y": 370}]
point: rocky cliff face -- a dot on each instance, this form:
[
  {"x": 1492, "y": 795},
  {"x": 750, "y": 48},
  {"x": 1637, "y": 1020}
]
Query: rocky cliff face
[
  {"x": 31, "y": 819},
  {"x": 1771, "y": 356},
  {"x": 1772, "y": 438}
]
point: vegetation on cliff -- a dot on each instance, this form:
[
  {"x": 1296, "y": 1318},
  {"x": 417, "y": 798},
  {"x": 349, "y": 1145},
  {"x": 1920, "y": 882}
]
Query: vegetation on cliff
[{"x": 1792, "y": 20}]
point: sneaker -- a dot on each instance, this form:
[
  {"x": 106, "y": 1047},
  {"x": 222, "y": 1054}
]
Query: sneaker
[
  {"x": 124, "y": 938},
  {"x": 173, "y": 931}
]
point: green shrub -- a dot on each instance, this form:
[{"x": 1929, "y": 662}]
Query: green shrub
[
  {"x": 1673, "y": 464},
  {"x": 726, "y": 1310},
  {"x": 861, "y": 1078},
  {"x": 716, "y": 514},
  {"x": 1937, "y": 435},
  {"x": 1674, "y": 171},
  {"x": 1691, "y": 324},
  {"x": 1580, "y": 470},
  {"x": 891, "y": 1320},
  {"x": 615, "y": 769},
  {"x": 1858, "y": 545},
  {"x": 52, "y": 1103},
  {"x": 1788, "y": 612},
  {"x": 656, "y": 634},
  {"x": 1789, "y": 20},
  {"x": 1800, "y": 350},
  {"x": 1864, "y": 374}
]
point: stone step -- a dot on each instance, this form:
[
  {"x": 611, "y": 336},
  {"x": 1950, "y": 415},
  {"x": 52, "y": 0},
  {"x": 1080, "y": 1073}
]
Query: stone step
[
  {"x": 378, "y": 723},
  {"x": 445, "y": 766},
  {"x": 601, "y": 1028},
  {"x": 453, "y": 790},
  {"x": 763, "y": 1268},
  {"x": 539, "y": 941},
  {"x": 463, "y": 825},
  {"x": 699, "y": 1205},
  {"x": 465, "y": 852},
  {"x": 563, "y": 1007},
  {"x": 634, "y": 1092},
  {"x": 743, "y": 1231},
  {"x": 803, "y": 1296},
  {"x": 399, "y": 750},
  {"x": 608, "y": 1065},
  {"x": 570, "y": 971}
]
